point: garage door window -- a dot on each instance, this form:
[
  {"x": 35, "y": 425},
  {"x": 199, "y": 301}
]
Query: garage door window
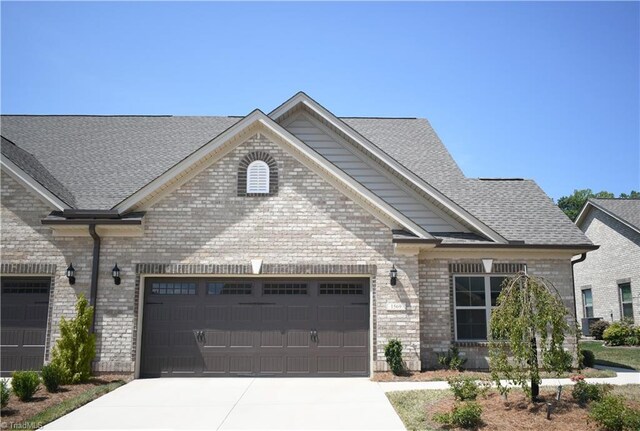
[
  {"x": 221, "y": 288},
  {"x": 173, "y": 289},
  {"x": 284, "y": 289},
  {"x": 25, "y": 286},
  {"x": 341, "y": 289}
]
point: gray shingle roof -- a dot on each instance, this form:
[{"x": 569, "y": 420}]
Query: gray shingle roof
[
  {"x": 28, "y": 163},
  {"x": 101, "y": 160},
  {"x": 625, "y": 209}
]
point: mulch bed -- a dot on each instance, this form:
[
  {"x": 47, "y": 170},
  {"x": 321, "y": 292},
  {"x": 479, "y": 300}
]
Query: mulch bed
[
  {"x": 518, "y": 413},
  {"x": 443, "y": 375},
  {"x": 18, "y": 411}
]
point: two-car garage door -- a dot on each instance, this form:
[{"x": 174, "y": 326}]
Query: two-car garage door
[{"x": 285, "y": 327}]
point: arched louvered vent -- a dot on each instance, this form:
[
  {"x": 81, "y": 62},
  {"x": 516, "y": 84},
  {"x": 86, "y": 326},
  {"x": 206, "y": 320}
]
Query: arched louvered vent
[{"x": 257, "y": 175}]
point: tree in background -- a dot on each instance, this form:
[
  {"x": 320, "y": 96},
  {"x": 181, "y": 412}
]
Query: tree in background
[{"x": 571, "y": 205}]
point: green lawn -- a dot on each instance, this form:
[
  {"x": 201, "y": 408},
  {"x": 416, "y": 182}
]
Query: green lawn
[
  {"x": 623, "y": 357},
  {"x": 413, "y": 406}
]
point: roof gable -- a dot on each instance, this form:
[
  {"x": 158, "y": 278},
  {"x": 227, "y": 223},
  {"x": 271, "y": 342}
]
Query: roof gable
[{"x": 626, "y": 211}]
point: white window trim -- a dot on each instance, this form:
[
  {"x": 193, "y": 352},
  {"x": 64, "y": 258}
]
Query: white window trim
[
  {"x": 487, "y": 307},
  {"x": 259, "y": 188}
]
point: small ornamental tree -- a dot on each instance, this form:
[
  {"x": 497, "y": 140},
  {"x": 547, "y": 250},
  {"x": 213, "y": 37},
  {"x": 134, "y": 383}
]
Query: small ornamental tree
[
  {"x": 528, "y": 328},
  {"x": 75, "y": 349}
]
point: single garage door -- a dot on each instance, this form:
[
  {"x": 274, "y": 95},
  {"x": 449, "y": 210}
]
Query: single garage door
[
  {"x": 25, "y": 305},
  {"x": 222, "y": 327}
]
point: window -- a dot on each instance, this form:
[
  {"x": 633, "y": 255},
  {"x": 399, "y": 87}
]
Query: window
[
  {"x": 626, "y": 302},
  {"x": 258, "y": 177},
  {"x": 587, "y": 302},
  {"x": 474, "y": 296},
  {"x": 341, "y": 289},
  {"x": 284, "y": 289},
  {"x": 173, "y": 288},
  {"x": 221, "y": 288},
  {"x": 24, "y": 285}
]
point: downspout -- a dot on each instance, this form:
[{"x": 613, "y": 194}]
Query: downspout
[
  {"x": 582, "y": 258},
  {"x": 94, "y": 272}
]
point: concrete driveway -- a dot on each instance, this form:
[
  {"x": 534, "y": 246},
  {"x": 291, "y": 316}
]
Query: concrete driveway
[{"x": 238, "y": 403}]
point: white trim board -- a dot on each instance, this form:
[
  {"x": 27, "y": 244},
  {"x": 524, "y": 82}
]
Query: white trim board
[
  {"x": 30, "y": 183},
  {"x": 301, "y": 99},
  {"x": 256, "y": 122}
]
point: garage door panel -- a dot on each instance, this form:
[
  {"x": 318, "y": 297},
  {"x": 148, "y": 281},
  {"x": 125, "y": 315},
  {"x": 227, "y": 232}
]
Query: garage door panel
[
  {"x": 242, "y": 339},
  {"x": 271, "y": 339},
  {"x": 257, "y": 327},
  {"x": 24, "y": 323}
]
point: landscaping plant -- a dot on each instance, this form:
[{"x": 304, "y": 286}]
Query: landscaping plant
[
  {"x": 587, "y": 358},
  {"x": 24, "y": 384},
  {"x": 622, "y": 334},
  {"x": 4, "y": 393},
  {"x": 51, "y": 377},
  {"x": 584, "y": 392},
  {"x": 452, "y": 359},
  {"x": 529, "y": 317},
  {"x": 465, "y": 388},
  {"x": 612, "y": 414},
  {"x": 76, "y": 347},
  {"x": 464, "y": 415},
  {"x": 393, "y": 354},
  {"x": 597, "y": 328}
]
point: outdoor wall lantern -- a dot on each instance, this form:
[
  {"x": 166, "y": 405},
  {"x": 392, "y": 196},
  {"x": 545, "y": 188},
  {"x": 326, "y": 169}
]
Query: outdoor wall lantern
[
  {"x": 115, "y": 273},
  {"x": 71, "y": 274},
  {"x": 394, "y": 275}
]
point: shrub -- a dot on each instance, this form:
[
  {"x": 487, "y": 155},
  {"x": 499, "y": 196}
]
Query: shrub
[
  {"x": 51, "y": 377},
  {"x": 76, "y": 347},
  {"x": 621, "y": 333},
  {"x": 4, "y": 394},
  {"x": 25, "y": 384},
  {"x": 584, "y": 392},
  {"x": 588, "y": 359},
  {"x": 597, "y": 328},
  {"x": 465, "y": 388},
  {"x": 463, "y": 415},
  {"x": 452, "y": 360},
  {"x": 393, "y": 354},
  {"x": 612, "y": 414}
]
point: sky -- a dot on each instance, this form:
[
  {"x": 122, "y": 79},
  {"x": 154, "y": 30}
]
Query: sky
[{"x": 548, "y": 91}]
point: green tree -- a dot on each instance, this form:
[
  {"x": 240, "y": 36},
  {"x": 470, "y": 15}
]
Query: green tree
[
  {"x": 528, "y": 328},
  {"x": 633, "y": 195},
  {"x": 571, "y": 205},
  {"x": 75, "y": 349}
]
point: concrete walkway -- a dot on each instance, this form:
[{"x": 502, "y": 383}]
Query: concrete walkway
[
  {"x": 238, "y": 403},
  {"x": 624, "y": 377}
]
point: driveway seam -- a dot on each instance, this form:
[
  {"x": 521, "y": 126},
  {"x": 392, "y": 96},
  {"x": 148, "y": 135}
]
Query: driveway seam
[{"x": 235, "y": 404}]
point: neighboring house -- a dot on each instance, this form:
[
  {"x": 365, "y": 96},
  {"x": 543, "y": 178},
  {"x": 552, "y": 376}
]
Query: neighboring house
[
  {"x": 608, "y": 282},
  {"x": 261, "y": 244}
]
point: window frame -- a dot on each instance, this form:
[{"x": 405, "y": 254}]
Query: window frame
[
  {"x": 622, "y": 302},
  {"x": 487, "y": 303},
  {"x": 584, "y": 303}
]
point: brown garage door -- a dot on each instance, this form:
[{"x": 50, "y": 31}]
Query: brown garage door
[
  {"x": 222, "y": 327},
  {"x": 25, "y": 305}
]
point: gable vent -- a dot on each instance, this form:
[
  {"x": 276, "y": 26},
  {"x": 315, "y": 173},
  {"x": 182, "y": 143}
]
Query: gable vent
[{"x": 258, "y": 177}]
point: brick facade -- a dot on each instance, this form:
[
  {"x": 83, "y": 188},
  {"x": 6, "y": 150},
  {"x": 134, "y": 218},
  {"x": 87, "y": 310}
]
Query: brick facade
[
  {"x": 616, "y": 261},
  {"x": 204, "y": 227}
]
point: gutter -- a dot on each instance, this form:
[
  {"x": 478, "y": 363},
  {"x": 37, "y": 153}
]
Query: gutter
[
  {"x": 95, "y": 265},
  {"x": 582, "y": 258}
]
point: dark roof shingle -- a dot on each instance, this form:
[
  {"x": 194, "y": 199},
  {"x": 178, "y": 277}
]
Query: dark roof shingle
[{"x": 625, "y": 209}]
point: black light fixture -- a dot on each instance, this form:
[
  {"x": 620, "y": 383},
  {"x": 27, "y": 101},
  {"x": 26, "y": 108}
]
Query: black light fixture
[
  {"x": 394, "y": 275},
  {"x": 115, "y": 273},
  {"x": 71, "y": 274}
]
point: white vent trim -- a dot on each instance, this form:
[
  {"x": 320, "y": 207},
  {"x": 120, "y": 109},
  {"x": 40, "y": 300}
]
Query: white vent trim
[{"x": 258, "y": 177}]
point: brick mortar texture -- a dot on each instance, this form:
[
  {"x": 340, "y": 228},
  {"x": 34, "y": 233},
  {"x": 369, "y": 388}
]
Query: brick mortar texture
[
  {"x": 437, "y": 308},
  {"x": 204, "y": 222},
  {"x": 618, "y": 258}
]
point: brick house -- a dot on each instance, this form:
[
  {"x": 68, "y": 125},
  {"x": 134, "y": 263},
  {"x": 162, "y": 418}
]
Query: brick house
[
  {"x": 264, "y": 244},
  {"x": 608, "y": 283}
]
